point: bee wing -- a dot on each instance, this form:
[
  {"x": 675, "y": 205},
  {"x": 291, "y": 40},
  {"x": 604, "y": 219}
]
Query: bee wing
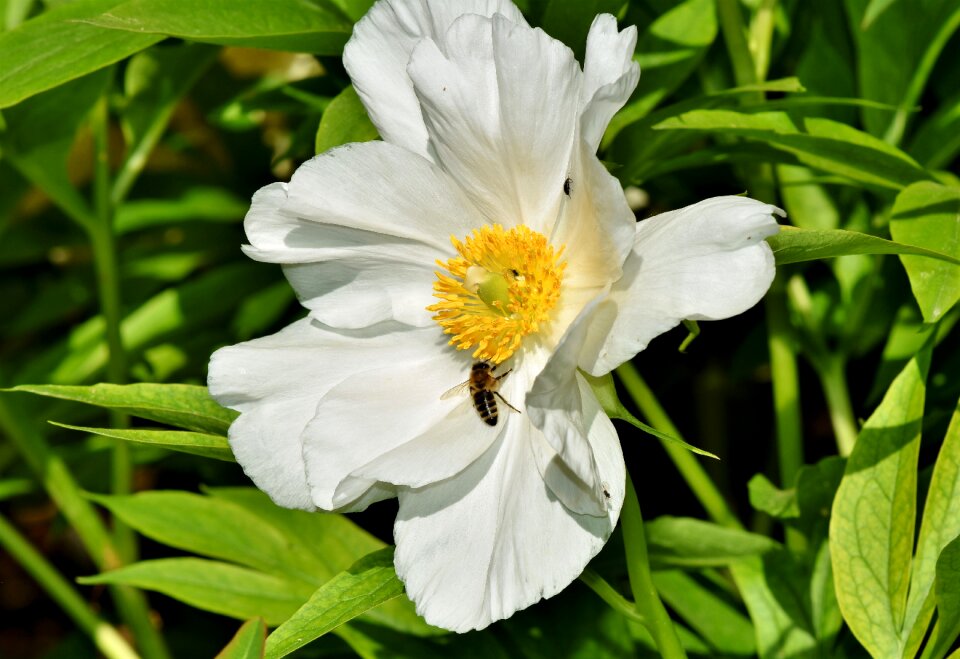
[{"x": 453, "y": 391}]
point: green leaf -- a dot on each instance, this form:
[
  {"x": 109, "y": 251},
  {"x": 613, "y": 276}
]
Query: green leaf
[
  {"x": 772, "y": 588},
  {"x": 872, "y": 523},
  {"x": 345, "y": 120},
  {"x": 948, "y": 598},
  {"x": 668, "y": 52},
  {"x": 928, "y": 215},
  {"x": 766, "y": 497},
  {"x": 606, "y": 393},
  {"x": 367, "y": 583},
  {"x": 937, "y": 141},
  {"x": 222, "y": 588},
  {"x": 55, "y": 48},
  {"x": 570, "y": 21},
  {"x": 721, "y": 625},
  {"x": 334, "y": 542},
  {"x": 819, "y": 143},
  {"x": 40, "y": 133},
  {"x": 940, "y": 526},
  {"x": 873, "y": 11},
  {"x": 247, "y": 643},
  {"x": 194, "y": 443},
  {"x": 692, "y": 542},
  {"x": 182, "y": 405},
  {"x": 795, "y": 245},
  {"x": 294, "y": 25},
  {"x": 196, "y": 204}
]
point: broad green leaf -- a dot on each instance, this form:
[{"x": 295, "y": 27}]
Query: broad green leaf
[
  {"x": 345, "y": 120},
  {"x": 197, "y": 203},
  {"x": 55, "y": 48},
  {"x": 295, "y": 25},
  {"x": 768, "y": 498},
  {"x": 218, "y": 529},
  {"x": 230, "y": 590},
  {"x": 366, "y": 584},
  {"x": 247, "y": 643},
  {"x": 948, "y": 599},
  {"x": 795, "y": 245},
  {"x": 819, "y": 143},
  {"x": 873, "y": 11},
  {"x": 939, "y": 527},
  {"x": 606, "y": 393},
  {"x": 720, "y": 624},
  {"x": 687, "y": 541},
  {"x": 570, "y": 21},
  {"x": 335, "y": 543},
  {"x": 772, "y": 588},
  {"x": 928, "y": 215},
  {"x": 194, "y": 443},
  {"x": 668, "y": 52},
  {"x": 40, "y": 133},
  {"x": 182, "y": 405},
  {"x": 808, "y": 204},
  {"x": 872, "y": 522}
]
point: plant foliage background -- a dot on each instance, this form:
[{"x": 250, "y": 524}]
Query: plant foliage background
[{"x": 132, "y": 135}]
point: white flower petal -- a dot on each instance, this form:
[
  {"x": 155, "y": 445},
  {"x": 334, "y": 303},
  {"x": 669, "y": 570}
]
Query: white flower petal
[
  {"x": 609, "y": 75},
  {"x": 275, "y": 383},
  {"x": 442, "y": 451},
  {"x": 388, "y": 400},
  {"x": 500, "y": 104},
  {"x": 376, "y": 59},
  {"x": 476, "y": 548},
  {"x": 704, "y": 262},
  {"x": 558, "y": 408},
  {"x": 365, "y": 224}
]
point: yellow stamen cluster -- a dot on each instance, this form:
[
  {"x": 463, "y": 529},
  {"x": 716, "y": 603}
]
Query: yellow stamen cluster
[{"x": 501, "y": 288}]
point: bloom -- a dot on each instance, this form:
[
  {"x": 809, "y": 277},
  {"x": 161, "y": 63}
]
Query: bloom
[{"x": 482, "y": 228}]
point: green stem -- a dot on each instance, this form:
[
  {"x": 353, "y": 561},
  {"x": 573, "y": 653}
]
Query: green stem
[
  {"x": 106, "y": 638},
  {"x": 833, "y": 379},
  {"x": 734, "y": 34},
  {"x": 648, "y": 603},
  {"x": 608, "y": 594},
  {"x": 761, "y": 37},
  {"x": 108, "y": 285},
  {"x": 786, "y": 384},
  {"x": 78, "y": 511},
  {"x": 690, "y": 469}
]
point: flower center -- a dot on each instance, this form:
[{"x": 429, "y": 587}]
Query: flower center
[{"x": 500, "y": 288}]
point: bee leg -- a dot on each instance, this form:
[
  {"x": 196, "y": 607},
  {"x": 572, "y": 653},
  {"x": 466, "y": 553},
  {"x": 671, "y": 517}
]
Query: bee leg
[
  {"x": 504, "y": 400},
  {"x": 500, "y": 377}
]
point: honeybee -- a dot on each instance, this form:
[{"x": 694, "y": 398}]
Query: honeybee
[{"x": 483, "y": 385}]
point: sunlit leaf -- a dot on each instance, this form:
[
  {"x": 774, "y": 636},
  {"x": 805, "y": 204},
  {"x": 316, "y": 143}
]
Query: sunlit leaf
[
  {"x": 181, "y": 405},
  {"x": 194, "y": 443},
  {"x": 928, "y": 215},
  {"x": 795, "y": 245},
  {"x": 230, "y": 590},
  {"x": 55, "y": 48},
  {"x": 295, "y": 25},
  {"x": 872, "y": 523},
  {"x": 247, "y": 643},
  {"x": 364, "y": 585},
  {"x": 345, "y": 120}
]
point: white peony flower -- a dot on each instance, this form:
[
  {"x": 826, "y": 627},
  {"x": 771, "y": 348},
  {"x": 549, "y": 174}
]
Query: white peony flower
[{"x": 481, "y": 229}]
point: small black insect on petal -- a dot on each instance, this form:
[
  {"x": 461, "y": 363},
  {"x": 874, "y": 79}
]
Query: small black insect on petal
[{"x": 567, "y": 184}]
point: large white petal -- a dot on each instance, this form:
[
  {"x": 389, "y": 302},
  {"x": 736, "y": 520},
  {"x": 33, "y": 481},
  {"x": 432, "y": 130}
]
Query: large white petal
[
  {"x": 359, "y": 230},
  {"x": 377, "y": 54},
  {"x": 478, "y": 547},
  {"x": 275, "y": 382},
  {"x": 500, "y": 103},
  {"x": 707, "y": 261},
  {"x": 388, "y": 400},
  {"x": 609, "y": 75}
]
